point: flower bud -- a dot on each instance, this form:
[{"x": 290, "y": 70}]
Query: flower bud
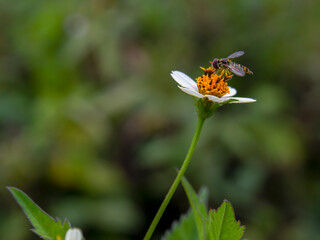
[{"x": 73, "y": 234}]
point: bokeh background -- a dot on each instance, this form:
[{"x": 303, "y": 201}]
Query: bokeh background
[{"x": 93, "y": 127}]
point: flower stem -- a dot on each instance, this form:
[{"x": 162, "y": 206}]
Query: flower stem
[{"x": 176, "y": 181}]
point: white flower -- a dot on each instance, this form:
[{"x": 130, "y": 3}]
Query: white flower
[
  {"x": 189, "y": 86},
  {"x": 73, "y": 234}
]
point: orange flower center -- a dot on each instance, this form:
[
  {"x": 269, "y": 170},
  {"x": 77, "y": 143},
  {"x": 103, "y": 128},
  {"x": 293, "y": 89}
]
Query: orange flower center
[{"x": 213, "y": 82}]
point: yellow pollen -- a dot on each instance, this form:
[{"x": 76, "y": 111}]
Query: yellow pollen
[
  {"x": 213, "y": 83},
  {"x": 59, "y": 238}
]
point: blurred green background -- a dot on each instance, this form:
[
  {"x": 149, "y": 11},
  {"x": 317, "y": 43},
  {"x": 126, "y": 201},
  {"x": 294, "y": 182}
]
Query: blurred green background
[{"x": 93, "y": 127}]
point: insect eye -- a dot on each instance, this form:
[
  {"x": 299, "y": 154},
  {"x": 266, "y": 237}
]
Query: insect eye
[{"x": 215, "y": 63}]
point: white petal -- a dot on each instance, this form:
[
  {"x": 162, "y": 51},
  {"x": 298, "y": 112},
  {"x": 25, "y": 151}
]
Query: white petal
[
  {"x": 241, "y": 99},
  {"x": 73, "y": 234},
  {"x": 191, "y": 92},
  {"x": 233, "y": 92},
  {"x": 184, "y": 80},
  {"x": 215, "y": 99}
]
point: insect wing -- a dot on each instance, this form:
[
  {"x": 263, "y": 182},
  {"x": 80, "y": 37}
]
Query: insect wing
[
  {"x": 236, "y": 54},
  {"x": 237, "y": 70}
]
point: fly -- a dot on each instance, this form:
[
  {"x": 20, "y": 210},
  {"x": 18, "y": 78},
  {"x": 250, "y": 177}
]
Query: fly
[{"x": 226, "y": 63}]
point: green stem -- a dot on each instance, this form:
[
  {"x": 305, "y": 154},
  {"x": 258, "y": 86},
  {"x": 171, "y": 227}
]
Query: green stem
[{"x": 176, "y": 181}]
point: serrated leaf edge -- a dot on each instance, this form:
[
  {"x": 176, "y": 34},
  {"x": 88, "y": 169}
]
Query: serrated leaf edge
[
  {"x": 56, "y": 220},
  {"x": 238, "y": 223},
  {"x": 175, "y": 223}
]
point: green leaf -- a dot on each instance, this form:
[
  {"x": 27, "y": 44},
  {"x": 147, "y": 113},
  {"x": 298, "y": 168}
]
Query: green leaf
[
  {"x": 184, "y": 229},
  {"x": 198, "y": 206},
  {"x": 223, "y": 225},
  {"x": 44, "y": 225}
]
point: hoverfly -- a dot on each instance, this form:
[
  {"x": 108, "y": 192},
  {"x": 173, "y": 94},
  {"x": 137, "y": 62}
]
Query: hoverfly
[{"x": 226, "y": 63}]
